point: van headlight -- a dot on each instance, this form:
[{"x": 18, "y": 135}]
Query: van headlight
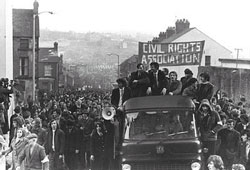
[
  {"x": 126, "y": 167},
  {"x": 195, "y": 166}
]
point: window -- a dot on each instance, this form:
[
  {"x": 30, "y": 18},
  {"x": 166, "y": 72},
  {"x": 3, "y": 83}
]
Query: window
[
  {"x": 47, "y": 70},
  {"x": 24, "y": 43},
  {"x": 24, "y": 63},
  {"x": 207, "y": 60}
]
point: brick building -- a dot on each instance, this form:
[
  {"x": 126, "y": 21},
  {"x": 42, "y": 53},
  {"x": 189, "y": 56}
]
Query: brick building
[
  {"x": 49, "y": 68},
  {"x": 22, "y": 47}
]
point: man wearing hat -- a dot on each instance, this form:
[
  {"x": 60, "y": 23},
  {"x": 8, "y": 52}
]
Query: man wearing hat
[{"x": 33, "y": 155}]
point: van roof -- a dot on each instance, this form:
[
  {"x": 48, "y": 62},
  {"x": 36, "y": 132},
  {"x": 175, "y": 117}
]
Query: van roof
[{"x": 158, "y": 103}]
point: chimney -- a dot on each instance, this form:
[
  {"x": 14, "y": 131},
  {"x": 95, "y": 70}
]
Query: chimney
[
  {"x": 155, "y": 39},
  {"x": 170, "y": 31},
  {"x": 181, "y": 25},
  {"x": 56, "y": 46},
  {"x": 35, "y": 7},
  {"x": 162, "y": 36}
]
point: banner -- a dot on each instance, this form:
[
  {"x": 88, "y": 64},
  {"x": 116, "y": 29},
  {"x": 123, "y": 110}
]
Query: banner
[{"x": 171, "y": 54}]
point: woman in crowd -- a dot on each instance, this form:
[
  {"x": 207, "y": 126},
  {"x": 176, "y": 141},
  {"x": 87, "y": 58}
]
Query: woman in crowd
[
  {"x": 17, "y": 145},
  {"x": 215, "y": 162},
  {"x": 3, "y": 145}
]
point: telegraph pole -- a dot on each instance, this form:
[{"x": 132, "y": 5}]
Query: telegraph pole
[{"x": 237, "y": 51}]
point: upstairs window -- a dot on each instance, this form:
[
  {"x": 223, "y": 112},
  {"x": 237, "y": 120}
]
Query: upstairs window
[
  {"x": 207, "y": 60},
  {"x": 24, "y": 66},
  {"x": 48, "y": 70}
]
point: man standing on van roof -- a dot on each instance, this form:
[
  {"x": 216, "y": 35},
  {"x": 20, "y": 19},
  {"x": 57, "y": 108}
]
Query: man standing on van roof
[
  {"x": 205, "y": 88},
  {"x": 157, "y": 85},
  {"x": 139, "y": 82}
]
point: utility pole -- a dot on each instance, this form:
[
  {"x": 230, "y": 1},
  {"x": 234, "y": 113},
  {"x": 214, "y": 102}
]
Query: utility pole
[{"x": 237, "y": 51}]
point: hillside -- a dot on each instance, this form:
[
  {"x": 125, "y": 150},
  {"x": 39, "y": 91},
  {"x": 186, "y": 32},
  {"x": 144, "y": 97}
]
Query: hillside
[
  {"x": 88, "y": 53},
  {"x": 92, "y": 48}
]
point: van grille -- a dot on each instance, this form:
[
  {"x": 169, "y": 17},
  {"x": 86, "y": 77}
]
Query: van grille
[{"x": 159, "y": 166}]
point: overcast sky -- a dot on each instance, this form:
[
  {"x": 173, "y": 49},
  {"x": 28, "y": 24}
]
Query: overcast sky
[{"x": 226, "y": 21}]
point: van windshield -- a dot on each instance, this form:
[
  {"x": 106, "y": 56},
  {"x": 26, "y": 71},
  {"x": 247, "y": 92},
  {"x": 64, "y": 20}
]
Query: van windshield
[{"x": 162, "y": 124}]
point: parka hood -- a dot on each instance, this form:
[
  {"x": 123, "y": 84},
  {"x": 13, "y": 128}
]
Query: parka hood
[{"x": 207, "y": 103}]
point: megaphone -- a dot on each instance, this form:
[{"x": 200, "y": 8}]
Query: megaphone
[{"x": 108, "y": 113}]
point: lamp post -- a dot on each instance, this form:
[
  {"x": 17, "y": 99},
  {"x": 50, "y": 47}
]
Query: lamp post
[
  {"x": 118, "y": 66},
  {"x": 34, "y": 54}
]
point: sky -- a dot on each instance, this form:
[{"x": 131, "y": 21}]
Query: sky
[{"x": 225, "y": 21}]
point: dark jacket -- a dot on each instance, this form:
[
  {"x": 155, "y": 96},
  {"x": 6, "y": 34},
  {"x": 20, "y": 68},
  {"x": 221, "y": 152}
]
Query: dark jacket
[
  {"x": 72, "y": 142},
  {"x": 210, "y": 124},
  {"x": 229, "y": 146},
  {"x": 59, "y": 141},
  {"x": 205, "y": 91},
  {"x": 140, "y": 88},
  {"x": 115, "y": 97},
  {"x": 175, "y": 87},
  {"x": 156, "y": 90}
]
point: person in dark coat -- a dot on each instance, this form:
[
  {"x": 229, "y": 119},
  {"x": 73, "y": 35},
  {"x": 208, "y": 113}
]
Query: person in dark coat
[
  {"x": 97, "y": 147},
  {"x": 109, "y": 144},
  {"x": 208, "y": 123},
  {"x": 187, "y": 80},
  {"x": 33, "y": 155},
  {"x": 243, "y": 124},
  {"x": 87, "y": 128},
  {"x": 229, "y": 146},
  {"x": 72, "y": 145},
  {"x": 205, "y": 89},
  {"x": 157, "y": 84},
  {"x": 121, "y": 94},
  {"x": 244, "y": 147},
  {"x": 139, "y": 82},
  {"x": 118, "y": 97},
  {"x": 54, "y": 145}
]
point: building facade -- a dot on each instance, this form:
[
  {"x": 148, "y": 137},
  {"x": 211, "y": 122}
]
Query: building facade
[
  {"x": 49, "y": 68},
  {"x": 22, "y": 48}
]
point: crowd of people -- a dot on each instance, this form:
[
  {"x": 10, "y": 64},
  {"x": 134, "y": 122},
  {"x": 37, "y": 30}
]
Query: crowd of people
[{"x": 67, "y": 129}]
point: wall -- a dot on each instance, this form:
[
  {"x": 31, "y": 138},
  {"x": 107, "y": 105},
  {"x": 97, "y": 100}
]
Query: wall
[{"x": 235, "y": 82}]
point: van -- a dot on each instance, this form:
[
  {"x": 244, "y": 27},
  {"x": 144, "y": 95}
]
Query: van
[{"x": 159, "y": 133}]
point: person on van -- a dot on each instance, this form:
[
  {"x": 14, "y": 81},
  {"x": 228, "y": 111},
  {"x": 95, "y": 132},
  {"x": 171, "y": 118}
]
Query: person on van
[
  {"x": 174, "y": 84},
  {"x": 139, "y": 82},
  {"x": 205, "y": 88},
  {"x": 157, "y": 80},
  {"x": 187, "y": 80}
]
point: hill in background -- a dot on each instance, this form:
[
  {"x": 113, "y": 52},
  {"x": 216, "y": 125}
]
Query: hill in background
[{"x": 92, "y": 47}]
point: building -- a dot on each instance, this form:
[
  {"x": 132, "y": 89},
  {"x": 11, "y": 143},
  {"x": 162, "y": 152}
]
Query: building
[
  {"x": 128, "y": 66},
  {"x": 49, "y": 68},
  {"x": 22, "y": 47},
  {"x": 212, "y": 51}
]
